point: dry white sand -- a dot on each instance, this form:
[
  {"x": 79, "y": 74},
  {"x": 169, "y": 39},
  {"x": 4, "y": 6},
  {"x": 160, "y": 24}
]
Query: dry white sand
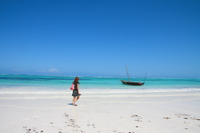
[{"x": 101, "y": 113}]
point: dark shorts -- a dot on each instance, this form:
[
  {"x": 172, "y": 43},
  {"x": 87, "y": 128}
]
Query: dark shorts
[{"x": 75, "y": 93}]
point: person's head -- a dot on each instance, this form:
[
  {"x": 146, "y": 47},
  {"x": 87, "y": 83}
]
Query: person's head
[{"x": 76, "y": 79}]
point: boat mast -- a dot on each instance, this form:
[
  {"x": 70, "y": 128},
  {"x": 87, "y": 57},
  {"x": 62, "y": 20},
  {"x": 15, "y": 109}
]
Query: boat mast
[
  {"x": 145, "y": 77},
  {"x": 127, "y": 73}
]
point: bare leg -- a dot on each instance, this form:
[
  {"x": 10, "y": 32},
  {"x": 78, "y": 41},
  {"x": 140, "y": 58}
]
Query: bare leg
[
  {"x": 77, "y": 98},
  {"x": 74, "y": 100}
]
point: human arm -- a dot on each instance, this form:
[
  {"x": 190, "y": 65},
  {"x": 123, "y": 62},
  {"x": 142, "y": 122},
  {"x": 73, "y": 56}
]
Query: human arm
[{"x": 78, "y": 88}]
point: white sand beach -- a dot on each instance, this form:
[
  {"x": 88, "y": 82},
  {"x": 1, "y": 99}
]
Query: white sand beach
[{"x": 101, "y": 113}]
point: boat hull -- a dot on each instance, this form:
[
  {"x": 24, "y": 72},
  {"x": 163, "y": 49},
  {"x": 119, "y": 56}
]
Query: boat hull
[{"x": 132, "y": 83}]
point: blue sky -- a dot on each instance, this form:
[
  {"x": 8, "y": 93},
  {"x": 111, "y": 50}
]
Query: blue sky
[{"x": 100, "y": 37}]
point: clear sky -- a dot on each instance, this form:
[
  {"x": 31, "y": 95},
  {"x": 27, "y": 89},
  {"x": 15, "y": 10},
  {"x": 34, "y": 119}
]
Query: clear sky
[{"x": 100, "y": 37}]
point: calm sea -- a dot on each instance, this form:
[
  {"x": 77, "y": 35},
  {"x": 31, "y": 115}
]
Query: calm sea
[{"x": 56, "y": 83}]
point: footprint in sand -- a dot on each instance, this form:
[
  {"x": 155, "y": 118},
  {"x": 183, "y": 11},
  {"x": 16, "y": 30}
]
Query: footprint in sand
[{"x": 137, "y": 118}]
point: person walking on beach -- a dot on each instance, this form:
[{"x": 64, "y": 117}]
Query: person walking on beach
[{"x": 76, "y": 93}]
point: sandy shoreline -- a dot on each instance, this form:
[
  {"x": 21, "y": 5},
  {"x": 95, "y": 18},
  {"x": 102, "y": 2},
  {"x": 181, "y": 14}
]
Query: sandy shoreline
[{"x": 100, "y": 112}]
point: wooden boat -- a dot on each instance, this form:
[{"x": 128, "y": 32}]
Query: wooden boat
[{"x": 130, "y": 82}]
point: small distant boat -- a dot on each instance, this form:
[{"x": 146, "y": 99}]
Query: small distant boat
[{"x": 130, "y": 82}]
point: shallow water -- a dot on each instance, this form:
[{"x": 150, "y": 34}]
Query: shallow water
[{"x": 61, "y": 82}]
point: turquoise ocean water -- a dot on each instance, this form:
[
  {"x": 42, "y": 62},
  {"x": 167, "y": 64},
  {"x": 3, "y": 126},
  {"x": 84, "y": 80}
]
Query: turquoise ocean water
[{"x": 57, "y": 83}]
